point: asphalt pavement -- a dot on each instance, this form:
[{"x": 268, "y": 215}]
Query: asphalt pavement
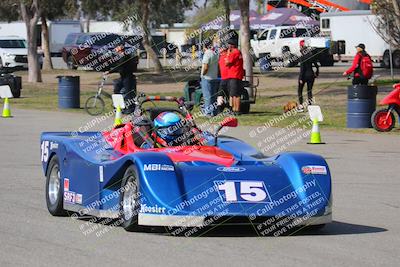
[{"x": 366, "y": 210}]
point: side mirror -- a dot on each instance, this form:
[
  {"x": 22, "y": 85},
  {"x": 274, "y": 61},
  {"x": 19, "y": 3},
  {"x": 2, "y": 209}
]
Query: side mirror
[{"x": 227, "y": 122}]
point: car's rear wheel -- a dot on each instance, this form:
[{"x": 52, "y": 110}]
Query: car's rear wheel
[
  {"x": 54, "y": 188},
  {"x": 71, "y": 64},
  {"x": 129, "y": 200},
  {"x": 382, "y": 121}
]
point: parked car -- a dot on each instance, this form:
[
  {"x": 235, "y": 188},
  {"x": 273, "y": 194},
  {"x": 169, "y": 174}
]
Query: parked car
[
  {"x": 96, "y": 50},
  {"x": 159, "y": 44},
  {"x": 284, "y": 42},
  {"x": 14, "y": 52},
  {"x": 333, "y": 23}
]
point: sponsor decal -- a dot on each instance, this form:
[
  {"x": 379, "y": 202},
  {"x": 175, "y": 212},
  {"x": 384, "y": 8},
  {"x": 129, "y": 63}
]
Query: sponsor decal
[
  {"x": 314, "y": 170},
  {"x": 158, "y": 167},
  {"x": 66, "y": 184},
  {"x": 151, "y": 209},
  {"x": 53, "y": 145},
  {"x": 231, "y": 169},
  {"x": 78, "y": 198},
  {"x": 69, "y": 197}
]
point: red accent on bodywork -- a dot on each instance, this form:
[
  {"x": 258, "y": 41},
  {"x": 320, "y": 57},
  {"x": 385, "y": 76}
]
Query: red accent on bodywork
[
  {"x": 122, "y": 141},
  {"x": 393, "y": 97}
]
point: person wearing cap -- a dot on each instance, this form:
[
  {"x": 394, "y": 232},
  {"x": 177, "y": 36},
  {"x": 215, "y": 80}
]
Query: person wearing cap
[
  {"x": 209, "y": 79},
  {"x": 355, "y": 68},
  {"x": 125, "y": 65},
  {"x": 235, "y": 73}
]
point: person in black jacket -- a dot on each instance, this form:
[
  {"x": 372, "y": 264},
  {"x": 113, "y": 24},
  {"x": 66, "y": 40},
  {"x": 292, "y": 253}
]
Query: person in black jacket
[
  {"x": 126, "y": 85},
  {"x": 307, "y": 76}
]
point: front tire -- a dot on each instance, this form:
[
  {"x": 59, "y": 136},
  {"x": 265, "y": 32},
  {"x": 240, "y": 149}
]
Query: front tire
[
  {"x": 129, "y": 200},
  {"x": 54, "y": 188},
  {"x": 382, "y": 122},
  {"x": 94, "y": 105}
]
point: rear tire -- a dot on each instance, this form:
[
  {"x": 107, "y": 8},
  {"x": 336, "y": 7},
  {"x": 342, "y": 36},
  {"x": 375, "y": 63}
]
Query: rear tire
[
  {"x": 70, "y": 63},
  {"x": 379, "y": 122},
  {"x": 94, "y": 105},
  {"x": 396, "y": 59},
  {"x": 129, "y": 200},
  {"x": 54, "y": 188}
]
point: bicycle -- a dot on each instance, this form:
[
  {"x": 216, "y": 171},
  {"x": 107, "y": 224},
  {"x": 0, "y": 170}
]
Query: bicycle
[{"x": 95, "y": 105}]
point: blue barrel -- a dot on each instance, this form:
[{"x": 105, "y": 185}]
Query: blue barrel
[
  {"x": 68, "y": 92},
  {"x": 361, "y": 104}
]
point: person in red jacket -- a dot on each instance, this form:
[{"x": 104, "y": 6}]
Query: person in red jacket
[
  {"x": 358, "y": 77},
  {"x": 234, "y": 62},
  {"x": 223, "y": 92}
]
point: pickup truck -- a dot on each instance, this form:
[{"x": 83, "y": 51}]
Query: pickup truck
[{"x": 283, "y": 44}]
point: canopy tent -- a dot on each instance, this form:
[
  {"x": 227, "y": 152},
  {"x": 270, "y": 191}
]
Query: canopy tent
[
  {"x": 234, "y": 20},
  {"x": 275, "y": 17}
]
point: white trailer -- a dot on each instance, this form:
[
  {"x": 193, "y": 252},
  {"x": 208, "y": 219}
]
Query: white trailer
[
  {"x": 58, "y": 31},
  {"x": 348, "y": 29}
]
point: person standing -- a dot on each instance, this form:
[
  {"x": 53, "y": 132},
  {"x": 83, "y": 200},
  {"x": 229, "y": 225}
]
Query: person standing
[
  {"x": 235, "y": 73},
  {"x": 362, "y": 67},
  {"x": 223, "y": 92},
  {"x": 307, "y": 76},
  {"x": 126, "y": 85},
  {"x": 209, "y": 79}
]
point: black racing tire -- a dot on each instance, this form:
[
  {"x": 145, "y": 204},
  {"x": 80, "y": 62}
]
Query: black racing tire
[
  {"x": 70, "y": 63},
  {"x": 54, "y": 188},
  {"x": 129, "y": 211},
  {"x": 95, "y": 105}
]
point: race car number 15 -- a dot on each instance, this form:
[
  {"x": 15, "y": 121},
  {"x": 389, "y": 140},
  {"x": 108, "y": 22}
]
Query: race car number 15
[
  {"x": 45, "y": 151},
  {"x": 242, "y": 191}
]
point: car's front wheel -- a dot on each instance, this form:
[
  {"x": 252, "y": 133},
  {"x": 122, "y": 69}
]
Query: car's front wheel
[
  {"x": 129, "y": 200},
  {"x": 54, "y": 188}
]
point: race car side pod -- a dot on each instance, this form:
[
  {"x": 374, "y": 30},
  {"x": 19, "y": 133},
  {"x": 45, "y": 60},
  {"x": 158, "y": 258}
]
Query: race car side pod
[
  {"x": 315, "y": 138},
  {"x": 6, "y": 109}
]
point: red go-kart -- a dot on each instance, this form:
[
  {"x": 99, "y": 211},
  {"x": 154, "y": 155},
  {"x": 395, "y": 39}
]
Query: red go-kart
[{"x": 384, "y": 120}]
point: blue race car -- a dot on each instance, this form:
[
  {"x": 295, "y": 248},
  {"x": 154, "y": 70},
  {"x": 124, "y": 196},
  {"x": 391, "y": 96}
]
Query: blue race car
[{"x": 160, "y": 169}]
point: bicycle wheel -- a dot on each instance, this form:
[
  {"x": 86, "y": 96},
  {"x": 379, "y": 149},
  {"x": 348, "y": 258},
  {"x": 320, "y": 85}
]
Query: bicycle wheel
[{"x": 94, "y": 105}]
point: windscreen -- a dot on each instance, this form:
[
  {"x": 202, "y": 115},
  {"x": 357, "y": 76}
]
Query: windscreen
[{"x": 12, "y": 43}]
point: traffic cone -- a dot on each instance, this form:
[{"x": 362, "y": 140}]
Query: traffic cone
[
  {"x": 6, "y": 109},
  {"x": 315, "y": 134},
  {"x": 118, "y": 117}
]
